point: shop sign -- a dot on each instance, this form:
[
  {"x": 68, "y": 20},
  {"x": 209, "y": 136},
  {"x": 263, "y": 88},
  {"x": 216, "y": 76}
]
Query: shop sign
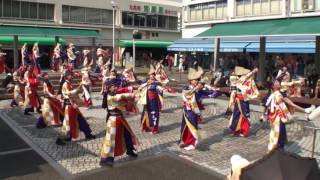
[{"x": 152, "y": 9}]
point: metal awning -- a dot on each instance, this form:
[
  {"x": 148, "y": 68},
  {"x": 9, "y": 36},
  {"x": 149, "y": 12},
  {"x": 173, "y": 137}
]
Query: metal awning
[
  {"x": 150, "y": 44},
  {"x": 31, "y": 40}
]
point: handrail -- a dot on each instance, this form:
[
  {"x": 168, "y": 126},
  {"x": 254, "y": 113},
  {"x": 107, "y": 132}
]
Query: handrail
[{"x": 315, "y": 129}]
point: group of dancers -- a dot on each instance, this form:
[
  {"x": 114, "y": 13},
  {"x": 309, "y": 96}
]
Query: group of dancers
[{"x": 122, "y": 92}]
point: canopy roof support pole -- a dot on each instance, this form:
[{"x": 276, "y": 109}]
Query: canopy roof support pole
[
  {"x": 317, "y": 54},
  {"x": 15, "y": 52},
  {"x": 216, "y": 53},
  {"x": 94, "y": 54},
  {"x": 262, "y": 57}
]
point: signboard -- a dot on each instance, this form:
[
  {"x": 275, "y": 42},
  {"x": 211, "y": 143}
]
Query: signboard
[{"x": 151, "y": 9}]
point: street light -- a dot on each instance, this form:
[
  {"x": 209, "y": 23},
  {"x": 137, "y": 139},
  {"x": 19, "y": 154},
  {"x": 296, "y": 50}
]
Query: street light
[{"x": 114, "y": 5}]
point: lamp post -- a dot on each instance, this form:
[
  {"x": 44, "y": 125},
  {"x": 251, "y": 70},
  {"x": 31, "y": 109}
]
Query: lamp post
[{"x": 113, "y": 4}]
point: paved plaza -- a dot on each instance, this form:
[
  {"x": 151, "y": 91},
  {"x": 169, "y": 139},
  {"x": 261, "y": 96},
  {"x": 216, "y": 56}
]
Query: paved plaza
[{"x": 214, "y": 152}]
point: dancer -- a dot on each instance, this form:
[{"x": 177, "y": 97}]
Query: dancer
[
  {"x": 151, "y": 97},
  {"x": 36, "y": 59},
  {"x": 100, "y": 56},
  {"x": 87, "y": 62},
  {"x": 32, "y": 100},
  {"x": 73, "y": 118},
  {"x": 119, "y": 135},
  {"x": 246, "y": 89},
  {"x": 191, "y": 94},
  {"x": 86, "y": 87},
  {"x": 233, "y": 91},
  {"x": 24, "y": 55},
  {"x": 3, "y": 65},
  {"x": 71, "y": 53},
  {"x": 56, "y": 58},
  {"x": 279, "y": 109},
  {"x": 50, "y": 105},
  {"x": 18, "y": 90}
]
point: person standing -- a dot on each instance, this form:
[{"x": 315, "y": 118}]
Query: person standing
[
  {"x": 279, "y": 108},
  {"x": 87, "y": 62},
  {"x": 71, "y": 53},
  {"x": 192, "y": 95},
  {"x": 56, "y": 58},
  {"x": 3, "y": 65},
  {"x": 151, "y": 97},
  {"x": 86, "y": 87},
  {"x": 181, "y": 62},
  {"x": 50, "y": 105},
  {"x": 32, "y": 100},
  {"x": 24, "y": 55},
  {"x": 73, "y": 121},
  {"x": 119, "y": 138},
  {"x": 246, "y": 89},
  {"x": 36, "y": 59}
]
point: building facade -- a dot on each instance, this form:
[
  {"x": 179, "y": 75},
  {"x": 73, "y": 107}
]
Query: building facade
[
  {"x": 200, "y": 15},
  {"x": 157, "y": 21}
]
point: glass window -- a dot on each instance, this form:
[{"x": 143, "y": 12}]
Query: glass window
[
  {"x": 0, "y": 8},
  {"x": 154, "y": 21},
  {"x": 275, "y": 7},
  {"x": 206, "y": 14},
  {"x": 77, "y": 14},
  {"x": 265, "y": 8},
  {"x": 193, "y": 16},
  {"x": 93, "y": 15},
  {"x": 212, "y": 13},
  {"x": 239, "y": 7},
  {"x": 42, "y": 12},
  {"x": 256, "y": 6},
  {"x": 7, "y": 8},
  {"x": 136, "y": 20},
  {"x": 149, "y": 19},
  {"x": 33, "y": 10},
  {"x": 16, "y": 9},
  {"x": 25, "y": 10},
  {"x": 106, "y": 16},
  {"x": 50, "y": 11},
  {"x": 308, "y": 4},
  {"x": 247, "y": 7},
  {"x": 173, "y": 22},
  {"x": 142, "y": 22},
  {"x": 65, "y": 13},
  {"x": 317, "y": 4},
  {"x": 162, "y": 21}
]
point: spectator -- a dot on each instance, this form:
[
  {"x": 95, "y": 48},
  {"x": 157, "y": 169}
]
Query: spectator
[
  {"x": 313, "y": 79},
  {"x": 317, "y": 90},
  {"x": 186, "y": 63},
  {"x": 300, "y": 67},
  {"x": 237, "y": 163},
  {"x": 170, "y": 62},
  {"x": 181, "y": 63}
]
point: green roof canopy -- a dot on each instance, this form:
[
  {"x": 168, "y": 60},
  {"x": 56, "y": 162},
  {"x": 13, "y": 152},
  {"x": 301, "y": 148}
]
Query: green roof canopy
[
  {"x": 30, "y": 40},
  {"x": 6, "y": 30},
  {"x": 151, "y": 44},
  {"x": 284, "y": 27}
]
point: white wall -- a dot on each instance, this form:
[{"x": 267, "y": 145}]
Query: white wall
[{"x": 192, "y": 31}]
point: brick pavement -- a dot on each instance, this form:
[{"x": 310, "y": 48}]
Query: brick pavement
[{"x": 214, "y": 151}]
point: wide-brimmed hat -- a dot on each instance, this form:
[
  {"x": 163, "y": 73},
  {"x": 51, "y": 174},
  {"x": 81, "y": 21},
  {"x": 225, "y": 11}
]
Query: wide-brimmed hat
[
  {"x": 152, "y": 70},
  {"x": 195, "y": 73},
  {"x": 239, "y": 71}
]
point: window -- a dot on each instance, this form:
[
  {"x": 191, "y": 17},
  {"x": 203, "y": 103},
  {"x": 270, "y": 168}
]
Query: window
[
  {"x": 76, "y": 14},
  {"x": 208, "y": 11},
  {"x": 306, "y": 5},
  {"x": 162, "y": 21},
  {"x": 65, "y": 13},
  {"x": 26, "y": 10},
  {"x": 173, "y": 22},
  {"x": 93, "y": 15},
  {"x": 257, "y": 7}
]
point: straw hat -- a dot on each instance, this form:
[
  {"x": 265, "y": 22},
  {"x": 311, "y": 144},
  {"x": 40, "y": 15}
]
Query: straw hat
[
  {"x": 239, "y": 71},
  {"x": 195, "y": 73},
  {"x": 152, "y": 70}
]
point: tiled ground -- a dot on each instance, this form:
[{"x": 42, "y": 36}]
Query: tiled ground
[{"x": 214, "y": 152}]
